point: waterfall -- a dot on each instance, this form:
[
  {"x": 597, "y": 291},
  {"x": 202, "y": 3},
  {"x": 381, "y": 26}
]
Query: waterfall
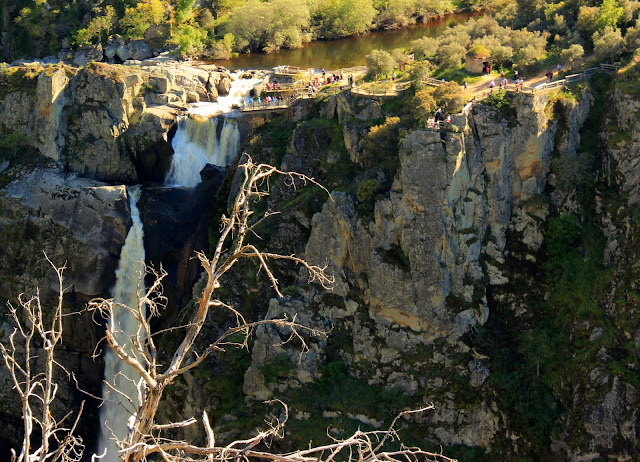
[
  {"x": 194, "y": 146},
  {"x": 200, "y": 140},
  {"x": 229, "y": 143},
  {"x": 129, "y": 281}
]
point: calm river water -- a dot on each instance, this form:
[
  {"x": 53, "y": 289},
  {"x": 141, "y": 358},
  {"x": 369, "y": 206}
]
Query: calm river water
[{"x": 347, "y": 52}]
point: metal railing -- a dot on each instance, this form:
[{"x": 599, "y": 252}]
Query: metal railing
[
  {"x": 573, "y": 78},
  {"x": 395, "y": 89}
]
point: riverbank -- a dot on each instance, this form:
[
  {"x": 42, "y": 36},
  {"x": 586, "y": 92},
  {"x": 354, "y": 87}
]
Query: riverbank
[{"x": 344, "y": 52}]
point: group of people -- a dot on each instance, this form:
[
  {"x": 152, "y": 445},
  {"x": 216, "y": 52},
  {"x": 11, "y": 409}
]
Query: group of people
[
  {"x": 504, "y": 84},
  {"x": 315, "y": 82},
  {"x": 549, "y": 72},
  {"x": 273, "y": 86},
  {"x": 269, "y": 100},
  {"x": 438, "y": 118}
]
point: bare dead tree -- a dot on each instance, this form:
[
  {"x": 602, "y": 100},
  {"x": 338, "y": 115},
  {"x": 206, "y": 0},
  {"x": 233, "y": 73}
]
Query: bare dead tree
[
  {"x": 37, "y": 389},
  {"x": 145, "y": 435}
]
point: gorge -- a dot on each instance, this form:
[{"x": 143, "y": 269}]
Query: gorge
[{"x": 488, "y": 267}]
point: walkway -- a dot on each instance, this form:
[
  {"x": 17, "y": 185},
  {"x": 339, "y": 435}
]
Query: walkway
[
  {"x": 476, "y": 90},
  {"x": 537, "y": 83}
]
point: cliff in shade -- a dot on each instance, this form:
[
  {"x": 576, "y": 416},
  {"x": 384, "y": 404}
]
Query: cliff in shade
[{"x": 489, "y": 268}]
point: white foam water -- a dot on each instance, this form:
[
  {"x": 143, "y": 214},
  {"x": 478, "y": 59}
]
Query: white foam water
[
  {"x": 200, "y": 140},
  {"x": 116, "y": 411}
]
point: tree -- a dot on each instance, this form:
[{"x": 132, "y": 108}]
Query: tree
[
  {"x": 98, "y": 28},
  {"x": 608, "y": 44},
  {"x": 632, "y": 38},
  {"x": 572, "y": 54},
  {"x": 450, "y": 55},
  {"x": 139, "y": 18},
  {"x": 340, "y": 18},
  {"x": 529, "y": 10},
  {"x": 527, "y": 56},
  {"x": 587, "y": 22},
  {"x": 281, "y": 24},
  {"x": 449, "y": 96},
  {"x": 419, "y": 74},
  {"x": 424, "y": 48},
  {"x": 190, "y": 40},
  {"x": 424, "y": 105},
  {"x": 380, "y": 62},
  {"x": 145, "y": 436},
  {"x": 610, "y": 14},
  {"x": 184, "y": 10},
  {"x": 37, "y": 389}
]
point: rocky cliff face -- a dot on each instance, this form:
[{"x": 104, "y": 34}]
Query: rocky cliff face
[
  {"x": 63, "y": 130},
  {"x": 454, "y": 255},
  {"x": 492, "y": 270},
  {"x": 102, "y": 121},
  {"x": 81, "y": 224},
  {"x": 421, "y": 268}
]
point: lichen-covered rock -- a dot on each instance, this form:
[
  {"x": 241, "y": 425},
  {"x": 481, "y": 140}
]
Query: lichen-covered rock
[
  {"x": 87, "y": 54},
  {"x": 106, "y": 95},
  {"x": 81, "y": 221},
  {"x": 205, "y": 83},
  {"x": 274, "y": 343},
  {"x": 139, "y": 50}
]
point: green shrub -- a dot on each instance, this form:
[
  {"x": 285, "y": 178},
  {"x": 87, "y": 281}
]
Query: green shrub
[
  {"x": 277, "y": 367},
  {"x": 369, "y": 191},
  {"x": 424, "y": 105},
  {"x": 380, "y": 62},
  {"x": 450, "y": 97},
  {"x": 502, "y": 100},
  {"x": 381, "y": 141},
  {"x": 98, "y": 28},
  {"x": 562, "y": 233}
]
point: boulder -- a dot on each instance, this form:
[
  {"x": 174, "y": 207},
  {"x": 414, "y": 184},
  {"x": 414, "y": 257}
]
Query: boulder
[
  {"x": 110, "y": 52},
  {"x": 113, "y": 45},
  {"x": 115, "y": 40},
  {"x": 87, "y": 54},
  {"x": 139, "y": 50},
  {"x": 123, "y": 52},
  {"x": 223, "y": 85},
  {"x": 193, "y": 97},
  {"x": 159, "y": 84},
  {"x": 157, "y": 32},
  {"x": 65, "y": 54}
]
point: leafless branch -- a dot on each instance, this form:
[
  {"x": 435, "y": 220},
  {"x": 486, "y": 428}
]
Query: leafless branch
[
  {"x": 38, "y": 389},
  {"x": 144, "y": 437}
]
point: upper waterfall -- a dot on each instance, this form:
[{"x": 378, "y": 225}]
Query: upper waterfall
[{"x": 208, "y": 134}]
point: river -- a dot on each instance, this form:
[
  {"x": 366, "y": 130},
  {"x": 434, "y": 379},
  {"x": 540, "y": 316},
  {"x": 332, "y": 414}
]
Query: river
[{"x": 346, "y": 52}]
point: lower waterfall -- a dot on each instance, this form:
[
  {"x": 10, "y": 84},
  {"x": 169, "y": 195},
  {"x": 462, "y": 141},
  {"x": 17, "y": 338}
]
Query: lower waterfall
[
  {"x": 208, "y": 134},
  {"x": 129, "y": 283}
]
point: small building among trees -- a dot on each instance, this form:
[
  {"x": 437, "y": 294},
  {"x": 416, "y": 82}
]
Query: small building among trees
[{"x": 478, "y": 60}]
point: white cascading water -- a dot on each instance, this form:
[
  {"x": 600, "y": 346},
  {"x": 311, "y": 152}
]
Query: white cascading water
[
  {"x": 129, "y": 281},
  {"x": 200, "y": 141}
]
